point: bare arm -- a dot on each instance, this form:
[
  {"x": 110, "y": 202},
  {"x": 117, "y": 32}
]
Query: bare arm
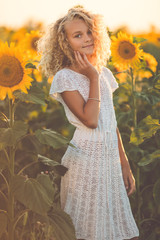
[
  {"x": 128, "y": 177},
  {"x": 86, "y": 112}
]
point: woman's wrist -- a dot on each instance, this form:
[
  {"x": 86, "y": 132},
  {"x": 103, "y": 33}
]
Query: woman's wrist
[{"x": 124, "y": 161}]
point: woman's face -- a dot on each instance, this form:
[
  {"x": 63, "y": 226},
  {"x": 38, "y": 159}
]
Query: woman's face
[{"x": 79, "y": 36}]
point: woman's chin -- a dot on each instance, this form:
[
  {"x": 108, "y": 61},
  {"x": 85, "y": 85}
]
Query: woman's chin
[{"x": 88, "y": 53}]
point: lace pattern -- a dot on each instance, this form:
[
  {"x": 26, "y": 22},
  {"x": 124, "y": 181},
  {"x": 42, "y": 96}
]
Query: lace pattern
[{"x": 92, "y": 190}]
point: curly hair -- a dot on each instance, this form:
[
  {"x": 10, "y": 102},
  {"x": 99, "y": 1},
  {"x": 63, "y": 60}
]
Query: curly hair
[{"x": 56, "y": 51}]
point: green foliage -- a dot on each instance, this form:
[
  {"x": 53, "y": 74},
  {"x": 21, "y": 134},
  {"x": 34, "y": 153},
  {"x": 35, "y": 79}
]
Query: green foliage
[
  {"x": 139, "y": 40},
  {"x": 137, "y": 110},
  {"x": 24, "y": 189},
  {"x": 145, "y": 129},
  {"x": 32, "y": 194},
  {"x": 35, "y": 95},
  {"x": 60, "y": 220},
  {"x": 149, "y": 158},
  {"x": 10, "y": 136},
  {"x": 54, "y": 165},
  {"x": 30, "y": 65},
  {"x": 51, "y": 138}
]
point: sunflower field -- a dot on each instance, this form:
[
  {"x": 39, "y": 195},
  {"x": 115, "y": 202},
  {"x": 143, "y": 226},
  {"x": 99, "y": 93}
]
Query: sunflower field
[{"x": 34, "y": 134}]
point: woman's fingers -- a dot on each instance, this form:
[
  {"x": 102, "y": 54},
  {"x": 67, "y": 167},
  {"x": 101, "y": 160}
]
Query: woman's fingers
[
  {"x": 132, "y": 186},
  {"x": 81, "y": 61},
  {"x": 77, "y": 58},
  {"x": 125, "y": 182}
]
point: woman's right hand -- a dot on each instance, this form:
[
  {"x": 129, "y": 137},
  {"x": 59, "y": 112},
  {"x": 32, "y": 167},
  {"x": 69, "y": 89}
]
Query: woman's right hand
[{"x": 85, "y": 67}]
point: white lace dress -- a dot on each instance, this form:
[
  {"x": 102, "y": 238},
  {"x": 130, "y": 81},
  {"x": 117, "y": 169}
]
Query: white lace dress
[{"x": 92, "y": 190}]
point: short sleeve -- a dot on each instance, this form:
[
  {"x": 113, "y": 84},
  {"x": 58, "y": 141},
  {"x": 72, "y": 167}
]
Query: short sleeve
[
  {"x": 111, "y": 79},
  {"x": 62, "y": 81}
]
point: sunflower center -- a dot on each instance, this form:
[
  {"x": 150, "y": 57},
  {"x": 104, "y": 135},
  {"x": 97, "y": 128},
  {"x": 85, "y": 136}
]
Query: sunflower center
[
  {"x": 126, "y": 50},
  {"x": 34, "y": 43},
  {"x": 147, "y": 63},
  {"x": 11, "y": 71},
  {"x": 6, "y": 71}
]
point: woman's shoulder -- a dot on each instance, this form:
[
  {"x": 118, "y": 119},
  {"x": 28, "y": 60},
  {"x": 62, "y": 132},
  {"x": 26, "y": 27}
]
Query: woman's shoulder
[
  {"x": 106, "y": 70},
  {"x": 61, "y": 72}
]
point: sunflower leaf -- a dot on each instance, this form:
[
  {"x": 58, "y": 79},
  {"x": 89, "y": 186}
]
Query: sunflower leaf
[
  {"x": 35, "y": 95},
  {"x": 62, "y": 223},
  {"x": 139, "y": 39},
  {"x": 32, "y": 194},
  {"x": 146, "y": 128},
  {"x": 60, "y": 169},
  {"x": 30, "y": 65},
  {"x": 149, "y": 158},
  {"x": 9, "y": 136},
  {"x": 51, "y": 138},
  {"x": 157, "y": 85}
]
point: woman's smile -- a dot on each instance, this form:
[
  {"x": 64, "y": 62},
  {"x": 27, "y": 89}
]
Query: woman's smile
[{"x": 80, "y": 36}]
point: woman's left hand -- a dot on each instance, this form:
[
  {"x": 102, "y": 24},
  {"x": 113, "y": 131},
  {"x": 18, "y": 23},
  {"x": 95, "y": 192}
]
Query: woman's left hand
[{"x": 128, "y": 178}]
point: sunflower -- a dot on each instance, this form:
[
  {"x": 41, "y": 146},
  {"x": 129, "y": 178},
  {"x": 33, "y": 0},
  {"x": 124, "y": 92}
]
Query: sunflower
[
  {"x": 29, "y": 44},
  {"x": 18, "y": 35},
  {"x": 150, "y": 62},
  {"x": 13, "y": 75},
  {"x": 120, "y": 74},
  {"x": 125, "y": 53},
  {"x": 153, "y": 36}
]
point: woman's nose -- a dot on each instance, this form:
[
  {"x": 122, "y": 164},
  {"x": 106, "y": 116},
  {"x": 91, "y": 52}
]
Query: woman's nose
[{"x": 88, "y": 37}]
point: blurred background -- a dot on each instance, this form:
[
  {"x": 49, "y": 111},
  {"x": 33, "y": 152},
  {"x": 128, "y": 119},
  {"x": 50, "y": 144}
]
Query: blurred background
[
  {"x": 138, "y": 15},
  {"x": 136, "y": 101}
]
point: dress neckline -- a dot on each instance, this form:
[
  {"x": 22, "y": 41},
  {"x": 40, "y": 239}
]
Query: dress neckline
[
  {"x": 80, "y": 73},
  {"x": 76, "y": 72}
]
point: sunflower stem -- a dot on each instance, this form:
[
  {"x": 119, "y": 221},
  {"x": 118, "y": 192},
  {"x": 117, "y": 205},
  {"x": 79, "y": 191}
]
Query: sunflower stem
[
  {"x": 134, "y": 105},
  {"x": 11, "y": 174}
]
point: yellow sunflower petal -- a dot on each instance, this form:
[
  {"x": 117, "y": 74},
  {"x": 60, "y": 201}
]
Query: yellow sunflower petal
[
  {"x": 13, "y": 74},
  {"x": 125, "y": 53}
]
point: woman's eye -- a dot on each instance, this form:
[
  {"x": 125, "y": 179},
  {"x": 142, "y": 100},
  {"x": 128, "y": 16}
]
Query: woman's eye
[
  {"x": 89, "y": 32},
  {"x": 78, "y": 35}
]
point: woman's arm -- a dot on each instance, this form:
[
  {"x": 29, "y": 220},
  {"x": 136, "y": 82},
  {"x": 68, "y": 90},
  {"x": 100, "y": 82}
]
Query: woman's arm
[
  {"x": 128, "y": 177},
  {"x": 86, "y": 112}
]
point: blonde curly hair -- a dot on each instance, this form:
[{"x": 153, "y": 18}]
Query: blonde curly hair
[{"x": 55, "y": 49}]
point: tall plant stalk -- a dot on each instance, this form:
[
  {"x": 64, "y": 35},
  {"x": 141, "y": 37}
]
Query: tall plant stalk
[
  {"x": 11, "y": 174},
  {"x": 134, "y": 105}
]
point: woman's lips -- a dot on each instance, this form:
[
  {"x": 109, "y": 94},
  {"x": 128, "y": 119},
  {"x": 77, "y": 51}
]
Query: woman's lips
[{"x": 88, "y": 46}]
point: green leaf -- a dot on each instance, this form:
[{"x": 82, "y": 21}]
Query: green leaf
[
  {"x": 9, "y": 136},
  {"x": 139, "y": 39},
  {"x": 47, "y": 184},
  {"x": 150, "y": 158},
  {"x": 157, "y": 84},
  {"x": 30, "y": 65},
  {"x": 60, "y": 169},
  {"x": 156, "y": 78},
  {"x": 3, "y": 120},
  {"x": 3, "y": 222},
  {"x": 151, "y": 97},
  {"x": 142, "y": 95},
  {"x": 51, "y": 138},
  {"x": 31, "y": 193},
  {"x": 35, "y": 95},
  {"x": 146, "y": 129},
  {"x": 156, "y": 192},
  {"x": 62, "y": 224}
]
